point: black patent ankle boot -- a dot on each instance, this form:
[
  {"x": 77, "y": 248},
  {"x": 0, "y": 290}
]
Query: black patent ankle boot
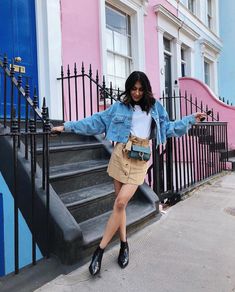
[
  {"x": 123, "y": 258},
  {"x": 95, "y": 265}
]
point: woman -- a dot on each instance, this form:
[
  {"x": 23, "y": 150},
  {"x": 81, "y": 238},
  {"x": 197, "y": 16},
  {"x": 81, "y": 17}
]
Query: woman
[{"x": 131, "y": 122}]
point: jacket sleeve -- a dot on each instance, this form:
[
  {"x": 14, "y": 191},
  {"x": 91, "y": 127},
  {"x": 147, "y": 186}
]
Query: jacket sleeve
[
  {"x": 174, "y": 128},
  {"x": 96, "y": 124}
]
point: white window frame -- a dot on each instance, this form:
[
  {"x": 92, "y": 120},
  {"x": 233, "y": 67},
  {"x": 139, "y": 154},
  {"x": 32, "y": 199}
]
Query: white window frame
[
  {"x": 210, "y": 55},
  {"x": 128, "y": 57},
  {"x": 136, "y": 10}
]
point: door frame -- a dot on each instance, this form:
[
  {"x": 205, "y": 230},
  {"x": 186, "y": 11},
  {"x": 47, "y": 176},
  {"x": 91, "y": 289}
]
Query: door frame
[{"x": 49, "y": 54}]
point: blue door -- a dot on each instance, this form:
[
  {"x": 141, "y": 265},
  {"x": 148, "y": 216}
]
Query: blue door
[{"x": 18, "y": 39}]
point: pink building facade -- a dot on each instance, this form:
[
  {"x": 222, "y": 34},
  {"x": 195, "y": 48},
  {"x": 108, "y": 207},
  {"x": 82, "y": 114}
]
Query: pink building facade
[{"x": 117, "y": 37}]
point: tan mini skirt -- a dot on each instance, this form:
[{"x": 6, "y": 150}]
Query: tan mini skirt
[{"x": 124, "y": 169}]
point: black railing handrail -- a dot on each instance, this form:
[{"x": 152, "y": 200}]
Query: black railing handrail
[
  {"x": 195, "y": 104},
  {"x": 30, "y": 102},
  {"x": 108, "y": 94}
]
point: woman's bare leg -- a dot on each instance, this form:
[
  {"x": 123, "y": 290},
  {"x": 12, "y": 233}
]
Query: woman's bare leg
[
  {"x": 122, "y": 227},
  {"x": 115, "y": 220}
]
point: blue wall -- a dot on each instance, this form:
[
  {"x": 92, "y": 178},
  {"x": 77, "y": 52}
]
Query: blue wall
[
  {"x": 2, "y": 264},
  {"x": 227, "y": 60},
  {"x": 25, "y": 237}
]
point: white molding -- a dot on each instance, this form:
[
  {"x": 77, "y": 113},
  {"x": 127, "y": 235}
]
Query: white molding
[
  {"x": 210, "y": 47},
  {"x": 179, "y": 24},
  {"x": 136, "y": 10},
  {"x": 174, "y": 3},
  {"x": 49, "y": 54}
]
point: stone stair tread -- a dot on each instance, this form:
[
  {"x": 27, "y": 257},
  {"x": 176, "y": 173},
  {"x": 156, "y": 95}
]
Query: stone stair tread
[
  {"x": 78, "y": 146},
  {"x": 87, "y": 194},
  {"x": 92, "y": 229},
  {"x": 231, "y": 159},
  {"x": 76, "y": 168}
]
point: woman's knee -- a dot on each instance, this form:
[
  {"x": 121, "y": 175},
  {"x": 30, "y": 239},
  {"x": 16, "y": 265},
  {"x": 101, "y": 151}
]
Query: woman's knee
[{"x": 119, "y": 204}]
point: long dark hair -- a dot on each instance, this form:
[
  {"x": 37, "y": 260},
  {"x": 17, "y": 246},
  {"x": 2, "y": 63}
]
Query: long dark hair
[{"x": 147, "y": 101}]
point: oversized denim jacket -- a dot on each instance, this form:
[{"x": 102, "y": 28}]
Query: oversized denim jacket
[{"x": 115, "y": 122}]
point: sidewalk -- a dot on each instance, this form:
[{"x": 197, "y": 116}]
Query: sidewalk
[{"x": 191, "y": 248}]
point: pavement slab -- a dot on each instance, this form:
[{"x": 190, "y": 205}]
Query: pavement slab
[{"x": 191, "y": 248}]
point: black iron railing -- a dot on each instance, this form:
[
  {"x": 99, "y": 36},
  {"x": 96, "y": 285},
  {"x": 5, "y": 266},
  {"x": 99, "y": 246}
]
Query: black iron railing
[
  {"x": 83, "y": 94},
  {"x": 22, "y": 126},
  {"x": 194, "y": 157}
]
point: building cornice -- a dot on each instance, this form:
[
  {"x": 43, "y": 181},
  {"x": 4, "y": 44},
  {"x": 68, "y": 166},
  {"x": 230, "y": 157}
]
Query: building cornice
[
  {"x": 210, "y": 46},
  {"x": 179, "y": 24}
]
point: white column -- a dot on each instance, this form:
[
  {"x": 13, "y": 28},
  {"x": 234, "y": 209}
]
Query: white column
[
  {"x": 160, "y": 33},
  {"x": 216, "y": 90},
  {"x": 49, "y": 51}
]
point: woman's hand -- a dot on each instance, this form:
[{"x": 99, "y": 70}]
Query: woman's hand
[
  {"x": 57, "y": 130},
  {"x": 200, "y": 116}
]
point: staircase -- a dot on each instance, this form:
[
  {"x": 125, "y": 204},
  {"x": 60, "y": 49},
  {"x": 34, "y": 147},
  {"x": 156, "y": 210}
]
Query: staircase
[
  {"x": 81, "y": 194},
  {"x": 78, "y": 175}
]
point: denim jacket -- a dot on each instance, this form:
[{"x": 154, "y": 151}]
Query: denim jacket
[{"x": 115, "y": 122}]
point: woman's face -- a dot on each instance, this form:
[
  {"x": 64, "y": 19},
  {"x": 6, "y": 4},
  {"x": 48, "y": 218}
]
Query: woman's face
[{"x": 137, "y": 91}]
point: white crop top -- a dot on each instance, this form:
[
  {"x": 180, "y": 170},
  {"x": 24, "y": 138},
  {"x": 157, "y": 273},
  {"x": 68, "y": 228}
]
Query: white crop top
[{"x": 141, "y": 123}]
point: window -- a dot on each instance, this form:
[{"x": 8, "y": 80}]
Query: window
[
  {"x": 167, "y": 45},
  {"x": 207, "y": 72},
  {"x": 118, "y": 38},
  {"x": 209, "y": 14},
  {"x": 183, "y": 62},
  {"x": 191, "y": 5},
  {"x": 167, "y": 66}
]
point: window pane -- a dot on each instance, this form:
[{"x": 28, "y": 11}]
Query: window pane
[
  {"x": 191, "y": 5},
  {"x": 120, "y": 83},
  {"x": 209, "y": 7},
  {"x": 110, "y": 79},
  {"x": 121, "y": 44},
  {"x": 116, "y": 20},
  {"x": 183, "y": 69},
  {"x": 110, "y": 64},
  {"x": 109, "y": 39},
  {"x": 167, "y": 44},
  {"x": 120, "y": 67},
  {"x": 182, "y": 54},
  {"x": 207, "y": 73}
]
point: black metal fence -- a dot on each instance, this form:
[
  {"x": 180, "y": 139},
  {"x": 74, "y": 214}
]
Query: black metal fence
[
  {"x": 22, "y": 126},
  {"x": 179, "y": 164}
]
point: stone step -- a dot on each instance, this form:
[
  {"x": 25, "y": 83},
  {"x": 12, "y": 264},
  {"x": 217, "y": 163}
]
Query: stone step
[
  {"x": 137, "y": 212},
  {"x": 66, "y": 154},
  {"x": 73, "y": 176},
  {"x": 90, "y": 201}
]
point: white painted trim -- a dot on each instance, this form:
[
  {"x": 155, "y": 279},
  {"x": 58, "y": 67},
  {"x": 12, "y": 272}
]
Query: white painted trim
[
  {"x": 179, "y": 33},
  {"x": 49, "y": 52},
  {"x": 136, "y": 9},
  {"x": 179, "y": 24},
  {"x": 174, "y": 3}
]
